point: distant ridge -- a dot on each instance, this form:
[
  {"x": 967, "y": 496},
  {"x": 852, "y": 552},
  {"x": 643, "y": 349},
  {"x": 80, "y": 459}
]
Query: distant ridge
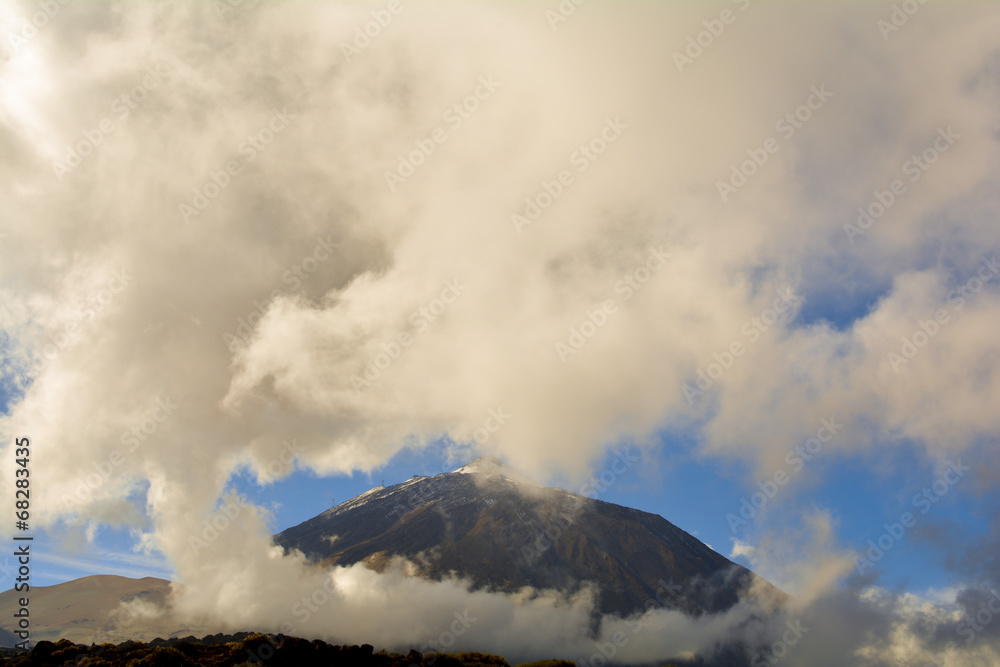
[{"x": 90, "y": 609}]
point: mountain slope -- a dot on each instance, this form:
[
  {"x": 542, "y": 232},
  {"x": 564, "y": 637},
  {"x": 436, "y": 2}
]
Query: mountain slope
[
  {"x": 492, "y": 525},
  {"x": 98, "y": 608}
]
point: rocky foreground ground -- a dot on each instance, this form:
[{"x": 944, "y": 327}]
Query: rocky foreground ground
[{"x": 240, "y": 650}]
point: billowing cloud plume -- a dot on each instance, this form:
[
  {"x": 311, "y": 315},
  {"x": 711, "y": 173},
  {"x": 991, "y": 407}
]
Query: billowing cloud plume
[{"x": 315, "y": 234}]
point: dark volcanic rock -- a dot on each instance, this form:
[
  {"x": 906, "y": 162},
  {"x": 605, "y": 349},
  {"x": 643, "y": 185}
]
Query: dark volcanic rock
[
  {"x": 488, "y": 523},
  {"x": 241, "y": 649}
]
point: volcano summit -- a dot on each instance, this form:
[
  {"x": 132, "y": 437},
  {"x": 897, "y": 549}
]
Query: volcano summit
[{"x": 490, "y": 524}]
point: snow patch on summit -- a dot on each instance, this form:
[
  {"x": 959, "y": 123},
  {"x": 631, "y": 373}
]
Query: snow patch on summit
[
  {"x": 356, "y": 501},
  {"x": 489, "y": 466}
]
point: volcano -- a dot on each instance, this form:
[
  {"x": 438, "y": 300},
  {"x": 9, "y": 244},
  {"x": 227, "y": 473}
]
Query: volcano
[{"x": 490, "y": 524}]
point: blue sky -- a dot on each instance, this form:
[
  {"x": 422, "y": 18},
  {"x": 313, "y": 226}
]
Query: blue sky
[
  {"x": 693, "y": 493},
  {"x": 232, "y": 227}
]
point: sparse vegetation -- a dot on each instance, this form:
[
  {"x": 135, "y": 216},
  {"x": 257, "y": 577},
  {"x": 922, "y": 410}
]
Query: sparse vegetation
[
  {"x": 240, "y": 650},
  {"x": 253, "y": 649}
]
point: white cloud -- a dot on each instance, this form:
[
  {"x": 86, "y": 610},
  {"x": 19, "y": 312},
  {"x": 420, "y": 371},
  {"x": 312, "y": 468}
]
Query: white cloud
[{"x": 323, "y": 176}]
